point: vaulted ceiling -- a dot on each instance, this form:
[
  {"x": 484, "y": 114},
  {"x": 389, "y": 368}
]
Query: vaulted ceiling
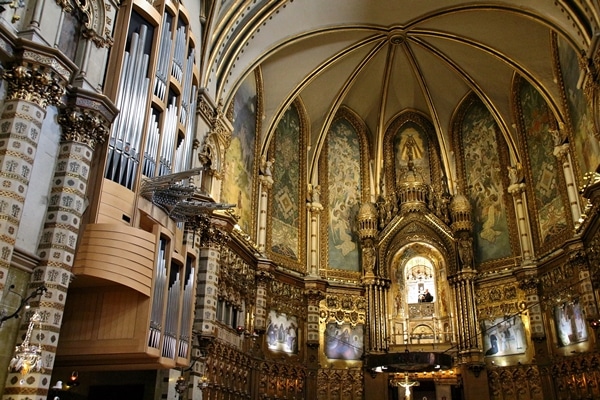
[{"x": 381, "y": 57}]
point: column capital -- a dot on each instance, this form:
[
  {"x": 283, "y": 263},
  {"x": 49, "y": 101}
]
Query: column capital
[
  {"x": 83, "y": 126},
  {"x": 33, "y": 83}
]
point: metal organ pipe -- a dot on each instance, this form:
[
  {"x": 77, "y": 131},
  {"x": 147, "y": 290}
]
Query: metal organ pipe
[
  {"x": 168, "y": 136},
  {"x": 186, "y": 311},
  {"x": 178, "y": 54},
  {"x": 160, "y": 281},
  {"x": 172, "y": 315},
  {"x": 124, "y": 144},
  {"x": 164, "y": 55},
  {"x": 152, "y": 137}
]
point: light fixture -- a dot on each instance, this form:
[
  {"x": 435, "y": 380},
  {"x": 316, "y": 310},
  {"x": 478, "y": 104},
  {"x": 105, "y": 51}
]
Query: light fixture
[
  {"x": 4, "y": 316},
  {"x": 203, "y": 382},
  {"x": 28, "y": 357},
  {"x": 181, "y": 384}
]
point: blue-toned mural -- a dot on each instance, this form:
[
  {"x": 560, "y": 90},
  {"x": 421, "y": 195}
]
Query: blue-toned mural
[
  {"x": 344, "y": 195},
  {"x": 344, "y": 342},
  {"x": 282, "y": 333},
  {"x": 239, "y": 170},
  {"x": 484, "y": 188},
  {"x": 544, "y": 166},
  {"x": 286, "y": 174},
  {"x": 587, "y": 147}
]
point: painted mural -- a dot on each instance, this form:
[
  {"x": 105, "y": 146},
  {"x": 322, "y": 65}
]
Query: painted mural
[
  {"x": 586, "y": 145},
  {"x": 282, "y": 333},
  {"x": 286, "y": 174},
  {"x": 344, "y": 195},
  {"x": 239, "y": 171},
  {"x": 483, "y": 180},
  {"x": 344, "y": 342},
  {"x": 571, "y": 326},
  {"x": 504, "y": 336},
  {"x": 544, "y": 166},
  {"x": 411, "y": 139}
]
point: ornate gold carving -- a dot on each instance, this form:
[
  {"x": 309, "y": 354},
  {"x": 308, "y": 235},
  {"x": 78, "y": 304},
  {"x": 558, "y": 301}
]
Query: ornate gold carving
[
  {"x": 286, "y": 298},
  {"x": 34, "y": 84},
  {"x": 344, "y": 308},
  {"x": 236, "y": 279},
  {"x": 522, "y": 381},
  {"x": 340, "y": 384},
  {"x": 83, "y": 126}
]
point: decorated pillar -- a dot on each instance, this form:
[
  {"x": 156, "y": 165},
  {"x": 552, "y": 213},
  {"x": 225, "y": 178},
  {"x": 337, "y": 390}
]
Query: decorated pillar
[
  {"x": 462, "y": 281},
  {"x": 30, "y": 90},
  {"x": 314, "y": 214},
  {"x": 82, "y": 129},
  {"x": 517, "y": 190},
  {"x": 374, "y": 281},
  {"x": 265, "y": 180},
  {"x": 211, "y": 240},
  {"x": 313, "y": 298},
  {"x": 561, "y": 152},
  {"x": 263, "y": 278}
]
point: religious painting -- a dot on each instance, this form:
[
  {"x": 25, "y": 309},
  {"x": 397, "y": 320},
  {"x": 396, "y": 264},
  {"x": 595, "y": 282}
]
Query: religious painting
[
  {"x": 586, "y": 145},
  {"x": 239, "y": 165},
  {"x": 282, "y": 333},
  {"x": 538, "y": 121},
  {"x": 504, "y": 336},
  {"x": 570, "y": 323},
  {"x": 344, "y": 341},
  {"x": 286, "y": 189},
  {"x": 484, "y": 184},
  {"x": 343, "y": 159},
  {"x": 411, "y": 143}
]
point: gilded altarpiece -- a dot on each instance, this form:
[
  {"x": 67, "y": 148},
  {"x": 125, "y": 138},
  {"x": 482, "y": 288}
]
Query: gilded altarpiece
[
  {"x": 545, "y": 172},
  {"x": 343, "y": 166},
  {"x": 287, "y": 212},
  {"x": 341, "y": 378},
  {"x": 411, "y": 132}
]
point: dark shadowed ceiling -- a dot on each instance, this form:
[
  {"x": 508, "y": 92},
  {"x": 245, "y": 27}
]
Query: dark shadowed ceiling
[{"x": 380, "y": 57}]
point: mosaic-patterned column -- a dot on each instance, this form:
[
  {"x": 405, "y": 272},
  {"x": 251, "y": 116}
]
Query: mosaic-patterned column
[
  {"x": 530, "y": 286},
  {"x": 211, "y": 240},
  {"x": 81, "y": 129},
  {"x": 263, "y": 277},
  {"x": 29, "y": 91}
]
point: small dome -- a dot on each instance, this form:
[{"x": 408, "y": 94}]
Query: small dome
[
  {"x": 367, "y": 211},
  {"x": 460, "y": 204}
]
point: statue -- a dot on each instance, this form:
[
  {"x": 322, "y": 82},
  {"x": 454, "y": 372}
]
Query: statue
[
  {"x": 369, "y": 259},
  {"x": 465, "y": 251},
  {"x": 266, "y": 166},
  {"x": 515, "y": 173}
]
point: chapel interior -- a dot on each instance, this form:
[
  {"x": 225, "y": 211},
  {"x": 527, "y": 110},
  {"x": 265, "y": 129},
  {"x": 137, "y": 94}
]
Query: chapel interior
[{"x": 299, "y": 199}]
